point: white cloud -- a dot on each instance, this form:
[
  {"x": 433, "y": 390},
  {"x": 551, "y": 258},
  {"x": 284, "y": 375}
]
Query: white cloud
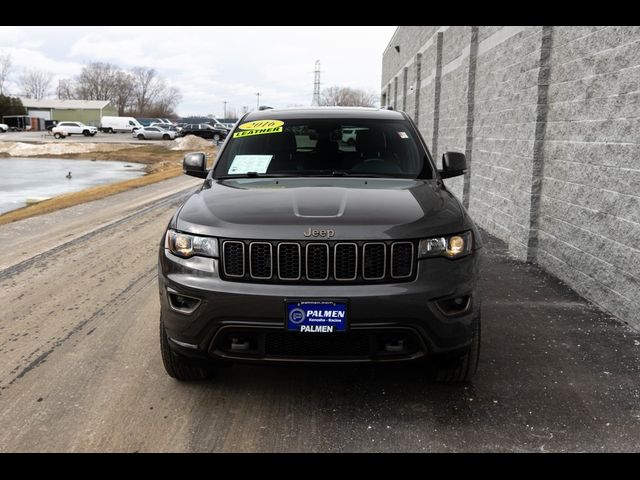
[
  {"x": 215, "y": 64},
  {"x": 11, "y": 36}
]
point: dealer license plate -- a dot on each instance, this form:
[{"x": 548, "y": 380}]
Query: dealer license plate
[{"x": 313, "y": 316}]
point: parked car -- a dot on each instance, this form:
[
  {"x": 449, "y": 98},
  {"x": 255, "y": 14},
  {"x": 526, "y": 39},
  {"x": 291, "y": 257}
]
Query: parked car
[
  {"x": 167, "y": 126},
  {"x": 153, "y": 133},
  {"x": 204, "y": 130},
  {"x": 349, "y": 135},
  {"x": 119, "y": 124},
  {"x": 77, "y": 128},
  {"x": 320, "y": 253},
  {"x": 145, "y": 122},
  {"x": 4, "y": 128}
]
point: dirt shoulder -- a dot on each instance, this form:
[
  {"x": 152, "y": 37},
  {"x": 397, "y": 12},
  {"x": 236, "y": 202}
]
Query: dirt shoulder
[{"x": 160, "y": 163}]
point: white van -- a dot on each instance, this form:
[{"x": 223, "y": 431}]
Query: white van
[{"x": 119, "y": 124}]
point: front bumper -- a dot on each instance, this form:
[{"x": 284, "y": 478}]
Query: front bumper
[{"x": 382, "y": 317}]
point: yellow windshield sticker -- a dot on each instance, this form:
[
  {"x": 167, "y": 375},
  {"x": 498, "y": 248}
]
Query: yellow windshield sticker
[
  {"x": 259, "y": 127},
  {"x": 258, "y": 124}
]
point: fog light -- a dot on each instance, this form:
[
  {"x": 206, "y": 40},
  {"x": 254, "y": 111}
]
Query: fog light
[
  {"x": 454, "y": 306},
  {"x": 182, "y": 303}
]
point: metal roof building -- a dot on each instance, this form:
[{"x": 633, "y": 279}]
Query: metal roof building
[{"x": 86, "y": 111}]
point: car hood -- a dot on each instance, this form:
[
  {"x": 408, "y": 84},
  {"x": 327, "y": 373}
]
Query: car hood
[{"x": 354, "y": 209}]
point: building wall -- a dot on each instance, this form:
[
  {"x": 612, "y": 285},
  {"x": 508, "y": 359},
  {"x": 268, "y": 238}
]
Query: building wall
[
  {"x": 87, "y": 116},
  {"x": 549, "y": 118},
  {"x": 589, "y": 230}
]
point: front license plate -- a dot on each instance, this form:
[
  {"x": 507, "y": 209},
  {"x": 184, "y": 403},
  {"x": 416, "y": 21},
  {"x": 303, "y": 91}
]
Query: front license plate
[{"x": 314, "y": 316}]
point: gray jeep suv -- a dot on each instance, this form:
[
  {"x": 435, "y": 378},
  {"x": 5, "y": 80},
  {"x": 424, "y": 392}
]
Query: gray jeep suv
[{"x": 301, "y": 247}]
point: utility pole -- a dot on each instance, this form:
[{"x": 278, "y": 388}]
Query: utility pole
[
  {"x": 225, "y": 109},
  {"x": 316, "y": 85},
  {"x": 258, "y": 95}
]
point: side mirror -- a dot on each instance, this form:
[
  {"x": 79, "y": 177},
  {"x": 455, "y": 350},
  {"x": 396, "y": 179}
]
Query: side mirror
[
  {"x": 195, "y": 164},
  {"x": 453, "y": 164}
]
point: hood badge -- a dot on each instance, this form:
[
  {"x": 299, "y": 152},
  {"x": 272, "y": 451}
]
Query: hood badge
[{"x": 314, "y": 232}]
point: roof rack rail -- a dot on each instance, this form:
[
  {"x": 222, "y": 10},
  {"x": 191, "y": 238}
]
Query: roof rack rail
[{"x": 264, "y": 107}]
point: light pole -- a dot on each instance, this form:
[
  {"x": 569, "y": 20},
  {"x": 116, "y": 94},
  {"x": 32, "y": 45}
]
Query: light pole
[
  {"x": 258, "y": 95},
  {"x": 225, "y": 109}
]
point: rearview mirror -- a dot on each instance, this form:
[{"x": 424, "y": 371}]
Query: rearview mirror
[
  {"x": 453, "y": 164},
  {"x": 195, "y": 164}
]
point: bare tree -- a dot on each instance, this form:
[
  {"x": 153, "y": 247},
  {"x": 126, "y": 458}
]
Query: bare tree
[
  {"x": 5, "y": 69},
  {"x": 136, "y": 92},
  {"x": 35, "y": 83},
  {"x": 124, "y": 90},
  {"x": 167, "y": 101},
  {"x": 147, "y": 87},
  {"x": 66, "y": 89},
  {"x": 347, "y": 97},
  {"x": 97, "y": 81}
]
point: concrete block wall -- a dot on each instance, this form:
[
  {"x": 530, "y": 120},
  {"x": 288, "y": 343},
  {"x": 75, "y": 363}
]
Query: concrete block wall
[
  {"x": 454, "y": 76},
  {"x": 504, "y": 125},
  {"x": 549, "y": 118},
  {"x": 589, "y": 224}
]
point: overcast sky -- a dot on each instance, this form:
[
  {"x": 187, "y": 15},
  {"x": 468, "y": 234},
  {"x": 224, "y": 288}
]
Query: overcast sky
[{"x": 211, "y": 64}]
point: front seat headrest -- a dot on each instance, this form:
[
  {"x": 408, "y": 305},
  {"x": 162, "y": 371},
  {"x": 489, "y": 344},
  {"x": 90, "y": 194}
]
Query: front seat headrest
[
  {"x": 284, "y": 142},
  {"x": 370, "y": 143}
]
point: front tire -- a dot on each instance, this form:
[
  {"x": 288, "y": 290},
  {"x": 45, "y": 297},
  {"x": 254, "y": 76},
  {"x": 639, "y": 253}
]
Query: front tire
[
  {"x": 57, "y": 136},
  {"x": 166, "y": 137},
  {"x": 86, "y": 133},
  {"x": 216, "y": 138},
  {"x": 140, "y": 137},
  {"x": 179, "y": 367},
  {"x": 462, "y": 368}
]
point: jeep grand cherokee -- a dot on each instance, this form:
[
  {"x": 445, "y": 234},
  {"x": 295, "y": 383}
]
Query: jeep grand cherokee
[{"x": 303, "y": 247}]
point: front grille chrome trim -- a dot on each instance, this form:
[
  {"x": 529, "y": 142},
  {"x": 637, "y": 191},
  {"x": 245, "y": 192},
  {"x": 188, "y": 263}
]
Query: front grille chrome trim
[
  {"x": 364, "y": 263},
  {"x": 411, "y": 258},
  {"x": 224, "y": 260},
  {"x": 290, "y": 279},
  {"x": 335, "y": 257},
  {"x": 251, "y": 245},
  {"x": 306, "y": 259}
]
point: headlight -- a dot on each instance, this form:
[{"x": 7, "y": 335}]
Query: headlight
[
  {"x": 184, "y": 245},
  {"x": 454, "y": 246}
]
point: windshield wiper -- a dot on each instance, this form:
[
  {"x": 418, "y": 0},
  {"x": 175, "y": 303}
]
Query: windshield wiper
[
  {"x": 254, "y": 175},
  {"x": 345, "y": 173}
]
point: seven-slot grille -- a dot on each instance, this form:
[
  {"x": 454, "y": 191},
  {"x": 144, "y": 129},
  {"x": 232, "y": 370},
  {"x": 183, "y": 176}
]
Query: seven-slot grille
[{"x": 317, "y": 262}]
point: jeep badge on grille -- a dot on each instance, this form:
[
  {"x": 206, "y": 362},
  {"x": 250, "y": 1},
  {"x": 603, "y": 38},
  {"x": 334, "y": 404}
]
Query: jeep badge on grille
[{"x": 313, "y": 232}]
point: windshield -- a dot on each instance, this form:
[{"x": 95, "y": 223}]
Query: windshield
[{"x": 308, "y": 147}]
